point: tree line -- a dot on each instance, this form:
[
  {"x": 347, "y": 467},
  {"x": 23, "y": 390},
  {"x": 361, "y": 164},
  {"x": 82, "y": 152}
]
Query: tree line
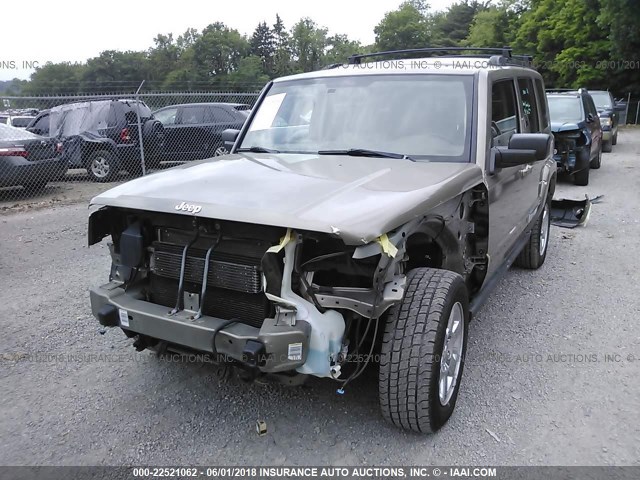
[{"x": 593, "y": 43}]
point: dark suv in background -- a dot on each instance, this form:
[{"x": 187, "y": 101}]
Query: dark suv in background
[
  {"x": 578, "y": 136},
  {"x": 102, "y": 136},
  {"x": 605, "y": 104},
  {"x": 194, "y": 131}
]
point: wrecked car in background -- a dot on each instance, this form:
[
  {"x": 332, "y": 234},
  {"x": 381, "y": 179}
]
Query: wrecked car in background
[
  {"x": 103, "y": 136},
  {"x": 577, "y": 131},
  {"x": 363, "y": 215}
]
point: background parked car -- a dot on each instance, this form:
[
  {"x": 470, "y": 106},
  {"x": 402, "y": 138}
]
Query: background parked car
[
  {"x": 20, "y": 121},
  {"x": 102, "y": 136},
  {"x": 578, "y": 135},
  {"x": 29, "y": 160},
  {"x": 194, "y": 131},
  {"x": 609, "y": 117}
]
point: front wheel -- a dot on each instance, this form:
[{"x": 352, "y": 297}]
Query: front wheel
[
  {"x": 581, "y": 177},
  {"x": 423, "y": 351},
  {"x": 596, "y": 162},
  {"x": 607, "y": 146}
]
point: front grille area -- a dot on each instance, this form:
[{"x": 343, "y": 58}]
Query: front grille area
[
  {"x": 234, "y": 280},
  {"x": 249, "y": 308},
  {"x": 230, "y": 271}
]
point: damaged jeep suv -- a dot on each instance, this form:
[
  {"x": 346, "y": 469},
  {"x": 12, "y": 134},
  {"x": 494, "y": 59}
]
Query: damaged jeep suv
[
  {"x": 362, "y": 216},
  {"x": 578, "y": 134}
]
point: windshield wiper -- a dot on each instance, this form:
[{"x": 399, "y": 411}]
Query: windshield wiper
[
  {"x": 258, "y": 150},
  {"x": 363, "y": 152}
]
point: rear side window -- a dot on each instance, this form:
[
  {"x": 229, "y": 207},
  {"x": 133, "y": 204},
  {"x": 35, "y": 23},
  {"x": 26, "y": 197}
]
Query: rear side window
[
  {"x": 111, "y": 117},
  {"x": 192, "y": 115},
  {"x": 219, "y": 115},
  {"x": 529, "y": 105},
  {"x": 504, "y": 116}
]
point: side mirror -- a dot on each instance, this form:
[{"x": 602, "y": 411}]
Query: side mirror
[
  {"x": 523, "y": 148},
  {"x": 229, "y": 137},
  {"x": 590, "y": 118}
]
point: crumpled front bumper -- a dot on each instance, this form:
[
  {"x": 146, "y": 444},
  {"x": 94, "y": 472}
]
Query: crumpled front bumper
[{"x": 285, "y": 347}]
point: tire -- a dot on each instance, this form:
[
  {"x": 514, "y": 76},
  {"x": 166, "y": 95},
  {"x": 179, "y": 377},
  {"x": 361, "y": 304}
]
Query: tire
[
  {"x": 412, "y": 350},
  {"x": 153, "y": 137},
  {"x": 607, "y": 146},
  {"x": 534, "y": 252},
  {"x": 614, "y": 140},
  {"x": 596, "y": 162},
  {"x": 581, "y": 177},
  {"x": 35, "y": 187},
  {"x": 102, "y": 166},
  {"x": 220, "y": 150}
]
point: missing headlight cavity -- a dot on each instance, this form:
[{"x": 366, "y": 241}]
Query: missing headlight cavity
[{"x": 330, "y": 263}]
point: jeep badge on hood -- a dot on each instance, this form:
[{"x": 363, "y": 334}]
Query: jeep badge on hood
[{"x": 187, "y": 207}]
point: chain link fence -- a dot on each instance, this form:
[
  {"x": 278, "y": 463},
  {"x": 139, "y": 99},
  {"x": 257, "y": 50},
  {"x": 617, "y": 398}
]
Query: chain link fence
[{"x": 49, "y": 142}]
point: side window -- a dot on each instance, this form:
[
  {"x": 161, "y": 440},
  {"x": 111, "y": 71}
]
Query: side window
[
  {"x": 192, "y": 115},
  {"x": 504, "y": 116},
  {"x": 218, "y": 115},
  {"x": 111, "y": 117},
  {"x": 529, "y": 105},
  {"x": 542, "y": 105},
  {"x": 590, "y": 107},
  {"x": 42, "y": 123},
  {"x": 166, "y": 116}
]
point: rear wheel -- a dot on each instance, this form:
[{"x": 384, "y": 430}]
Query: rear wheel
[
  {"x": 423, "y": 351},
  {"x": 102, "y": 166},
  {"x": 534, "y": 252},
  {"x": 35, "y": 187}
]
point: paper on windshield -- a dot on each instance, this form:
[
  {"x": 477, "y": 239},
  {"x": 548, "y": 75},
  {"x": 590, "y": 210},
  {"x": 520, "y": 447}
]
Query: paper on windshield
[{"x": 267, "y": 112}]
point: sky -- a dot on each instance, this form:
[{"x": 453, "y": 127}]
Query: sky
[{"x": 75, "y": 30}]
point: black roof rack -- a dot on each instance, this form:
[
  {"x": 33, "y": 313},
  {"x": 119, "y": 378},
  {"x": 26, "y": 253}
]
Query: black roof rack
[{"x": 497, "y": 55}]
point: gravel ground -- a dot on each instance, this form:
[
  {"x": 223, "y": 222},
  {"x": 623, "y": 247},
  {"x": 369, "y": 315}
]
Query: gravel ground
[{"x": 537, "y": 388}]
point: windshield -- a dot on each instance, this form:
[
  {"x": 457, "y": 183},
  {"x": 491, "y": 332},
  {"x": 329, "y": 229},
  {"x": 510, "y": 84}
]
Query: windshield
[
  {"x": 565, "y": 109},
  {"x": 426, "y": 117},
  {"x": 602, "y": 100}
]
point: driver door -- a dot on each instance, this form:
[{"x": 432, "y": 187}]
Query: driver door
[{"x": 507, "y": 193}]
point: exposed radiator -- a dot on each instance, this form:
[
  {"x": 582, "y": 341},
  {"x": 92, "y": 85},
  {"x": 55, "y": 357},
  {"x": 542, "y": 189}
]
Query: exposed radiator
[
  {"x": 249, "y": 308},
  {"x": 230, "y": 271},
  {"x": 234, "y": 286}
]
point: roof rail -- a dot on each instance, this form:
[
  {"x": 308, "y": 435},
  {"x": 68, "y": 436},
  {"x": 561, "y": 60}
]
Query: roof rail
[
  {"x": 497, "y": 55},
  {"x": 580, "y": 90}
]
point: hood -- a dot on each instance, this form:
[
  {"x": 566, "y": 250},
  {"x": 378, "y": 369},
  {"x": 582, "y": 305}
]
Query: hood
[
  {"x": 558, "y": 127},
  {"x": 356, "y": 198}
]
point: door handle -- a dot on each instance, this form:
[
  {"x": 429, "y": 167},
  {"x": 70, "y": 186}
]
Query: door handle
[{"x": 525, "y": 171}]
